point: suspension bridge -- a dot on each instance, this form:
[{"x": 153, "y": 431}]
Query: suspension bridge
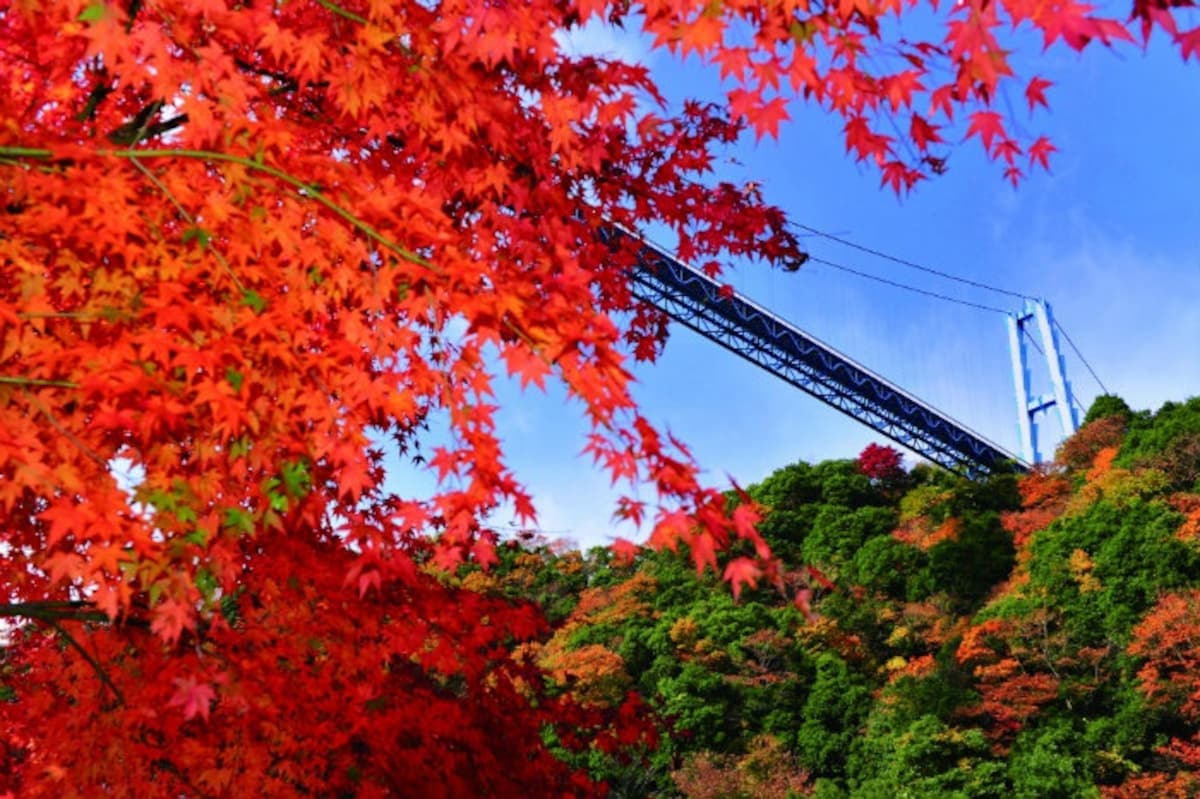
[{"x": 742, "y": 326}]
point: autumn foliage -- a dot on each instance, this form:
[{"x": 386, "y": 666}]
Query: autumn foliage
[
  {"x": 880, "y": 462},
  {"x": 1032, "y": 637},
  {"x": 297, "y": 687},
  {"x": 1168, "y": 643},
  {"x": 250, "y": 252}
]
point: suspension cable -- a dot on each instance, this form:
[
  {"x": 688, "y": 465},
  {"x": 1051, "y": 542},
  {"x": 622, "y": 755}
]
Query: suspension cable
[
  {"x": 907, "y": 287},
  {"x": 911, "y": 264},
  {"x": 1091, "y": 371}
]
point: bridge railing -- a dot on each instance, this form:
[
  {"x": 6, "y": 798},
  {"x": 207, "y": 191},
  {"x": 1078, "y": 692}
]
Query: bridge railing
[{"x": 755, "y": 333}]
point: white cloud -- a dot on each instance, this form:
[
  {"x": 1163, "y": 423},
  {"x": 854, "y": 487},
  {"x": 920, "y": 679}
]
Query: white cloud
[
  {"x": 1133, "y": 312},
  {"x": 602, "y": 40}
]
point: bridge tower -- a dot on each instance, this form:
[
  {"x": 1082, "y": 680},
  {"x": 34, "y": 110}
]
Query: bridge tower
[{"x": 1037, "y": 314}]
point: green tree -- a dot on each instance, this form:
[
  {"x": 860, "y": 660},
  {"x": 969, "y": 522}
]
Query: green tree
[
  {"x": 1050, "y": 761},
  {"x": 967, "y": 567},
  {"x": 1107, "y": 405},
  {"x": 835, "y": 709},
  {"x": 1134, "y": 556},
  {"x": 838, "y": 532},
  {"x": 926, "y": 760}
]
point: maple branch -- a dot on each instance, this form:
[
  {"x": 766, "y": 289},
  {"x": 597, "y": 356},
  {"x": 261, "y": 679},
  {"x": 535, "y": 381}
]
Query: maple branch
[
  {"x": 341, "y": 12},
  {"x": 305, "y": 189},
  {"x": 286, "y": 81},
  {"x": 126, "y": 135},
  {"x": 350, "y": 15},
  {"x": 107, "y": 314},
  {"x": 96, "y": 96},
  {"x": 26, "y": 152},
  {"x": 191, "y": 220},
  {"x": 84, "y": 448},
  {"x": 95, "y": 664},
  {"x": 53, "y": 611},
  {"x": 33, "y": 381}
]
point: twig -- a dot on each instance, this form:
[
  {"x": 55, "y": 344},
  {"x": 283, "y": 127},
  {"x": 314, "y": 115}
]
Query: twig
[
  {"x": 33, "y": 381},
  {"x": 42, "y": 154},
  {"x": 95, "y": 664},
  {"x": 86, "y": 315},
  {"x": 350, "y": 15},
  {"x": 341, "y": 12},
  {"x": 191, "y": 220},
  {"x": 84, "y": 448},
  {"x": 53, "y": 611},
  {"x": 306, "y": 189}
]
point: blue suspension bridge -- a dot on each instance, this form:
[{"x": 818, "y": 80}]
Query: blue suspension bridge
[{"x": 740, "y": 325}]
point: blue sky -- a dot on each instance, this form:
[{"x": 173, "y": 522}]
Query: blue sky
[{"x": 1111, "y": 238}]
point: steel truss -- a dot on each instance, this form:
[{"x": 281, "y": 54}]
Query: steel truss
[{"x": 735, "y": 322}]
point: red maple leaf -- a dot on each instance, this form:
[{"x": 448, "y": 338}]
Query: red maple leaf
[
  {"x": 803, "y": 601},
  {"x": 171, "y": 617},
  {"x": 1039, "y": 152},
  {"x": 193, "y": 696},
  {"x": 766, "y": 118},
  {"x": 527, "y": 363},
  {"x": 922, "y": 133},
  {"x": 625, "y": 551},
  {"x": 988, "y": 126},
  {"x": 1189, "y": 43},
  {"x": 741, "y": 572},
  {"x": 1035, "y": 92},
  {"x": 942, "y": 100}
]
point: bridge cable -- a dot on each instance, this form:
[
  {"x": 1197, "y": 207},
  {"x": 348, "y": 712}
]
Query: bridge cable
[
  {"x": 1091, "y": 371},
  {"x": 1033, "y": 341},
  {"x": 929, "y": 270},
  {"x": 907, "y": 287},
  {"x": 946, "y": 275},
  {"x": 910, "y": 264}
]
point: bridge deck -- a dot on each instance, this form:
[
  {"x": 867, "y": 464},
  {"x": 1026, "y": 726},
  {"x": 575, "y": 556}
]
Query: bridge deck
[{"x": 743, "y": 327}]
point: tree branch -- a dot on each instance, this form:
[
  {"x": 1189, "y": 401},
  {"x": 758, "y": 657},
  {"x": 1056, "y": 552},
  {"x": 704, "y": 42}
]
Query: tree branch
[
  {"x": 33, "y": 381},
  {"x": 341, "y": 12},
  {"x": 74, "y": 439},
  {"x": 53, "y": 611},
  {"x": 95, "y": 664},
  {"x": 306, "y": 190},
  {"x": 190, "y": 220}
]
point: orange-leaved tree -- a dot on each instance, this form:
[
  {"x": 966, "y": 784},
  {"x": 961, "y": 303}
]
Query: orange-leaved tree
[{"x": 246, "y": 247}]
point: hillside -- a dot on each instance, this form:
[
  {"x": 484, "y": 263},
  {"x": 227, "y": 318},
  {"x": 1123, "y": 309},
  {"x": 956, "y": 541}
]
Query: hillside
[{"x": 933, "y": 637}]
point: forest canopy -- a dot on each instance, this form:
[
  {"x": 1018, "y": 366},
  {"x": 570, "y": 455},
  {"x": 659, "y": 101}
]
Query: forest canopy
[
  {"x": 1029, "y": 636},
  {"x": 251, "y": 251}
]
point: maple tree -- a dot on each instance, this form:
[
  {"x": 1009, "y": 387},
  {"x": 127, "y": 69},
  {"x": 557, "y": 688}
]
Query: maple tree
[
  {"x": 300, "y": 688},
  {"x": 248, "y": 249},
  {"x": 1044, "y": 495},
  {"x": 1166, "y": 642},
  {"x": 765, "y": 772},
  {"x": 880, "y": 463},
  {"x": 1079, "y": 451},
  {"x": 594, "y": 672},
  {"x": 1010, "y": 689}
]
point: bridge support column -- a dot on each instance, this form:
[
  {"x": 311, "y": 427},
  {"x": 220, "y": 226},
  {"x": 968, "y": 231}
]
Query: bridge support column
[{"x": 1037, "y": 314}]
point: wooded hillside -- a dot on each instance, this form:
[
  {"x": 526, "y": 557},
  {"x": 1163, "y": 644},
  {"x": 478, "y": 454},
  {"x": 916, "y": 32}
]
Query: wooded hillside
[{"x": 1020, "y": 637}]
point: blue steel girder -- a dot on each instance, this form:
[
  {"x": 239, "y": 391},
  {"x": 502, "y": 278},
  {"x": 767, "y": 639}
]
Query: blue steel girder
[{"x": 692, "y": 298}]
